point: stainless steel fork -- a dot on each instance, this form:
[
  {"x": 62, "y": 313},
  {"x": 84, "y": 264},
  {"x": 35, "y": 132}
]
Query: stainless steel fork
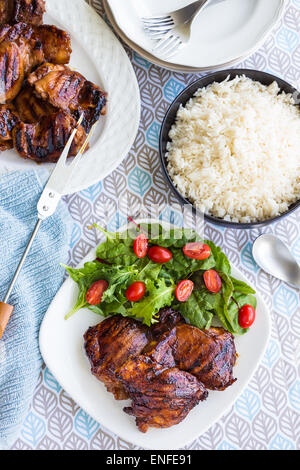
[{"x": 173, "y": 29}]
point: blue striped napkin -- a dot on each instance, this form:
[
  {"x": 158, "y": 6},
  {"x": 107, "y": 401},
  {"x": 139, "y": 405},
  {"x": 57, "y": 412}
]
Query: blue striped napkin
[{"x": 20, "y": 359}]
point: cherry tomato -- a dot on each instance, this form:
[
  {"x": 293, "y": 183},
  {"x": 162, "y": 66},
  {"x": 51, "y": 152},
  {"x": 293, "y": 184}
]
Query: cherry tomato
[
  {"x": 136, "y": 291},
  {"x": 141, "y": 246},
  {"x": 95, "y": 292},
  {"x": 197, "y": 250},
  {"x": 246, "y": 316},
  {"x": 160, "y": 255},
  {"x": 212, "y": 281},
  {"x": 184, "y": 290}
]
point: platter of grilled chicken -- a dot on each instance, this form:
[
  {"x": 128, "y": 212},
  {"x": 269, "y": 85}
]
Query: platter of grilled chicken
[
  {"x": 158, "y": 387},
  {"x": 59, "y": 61},
  {"x": 165, "y": 370}
]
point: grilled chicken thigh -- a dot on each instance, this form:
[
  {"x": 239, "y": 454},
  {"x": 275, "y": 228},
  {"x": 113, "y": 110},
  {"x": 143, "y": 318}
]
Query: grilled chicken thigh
[
  {"x": 207, "y": 354},
  {"x": 26, "y": 11},
  {"x": 70, "y": 91},
  {"x": 109, "y": 345},
  {"x": 23, "y": 47},
  {"x": 161, "y": 396},
  {"x": 45, "y": 140}
]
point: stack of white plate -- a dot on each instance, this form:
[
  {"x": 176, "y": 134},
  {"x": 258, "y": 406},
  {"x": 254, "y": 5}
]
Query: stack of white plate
[{"x": 225, "y": 33}]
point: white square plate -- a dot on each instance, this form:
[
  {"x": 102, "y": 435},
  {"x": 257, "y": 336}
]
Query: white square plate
[{"x": 61, "y": 344}]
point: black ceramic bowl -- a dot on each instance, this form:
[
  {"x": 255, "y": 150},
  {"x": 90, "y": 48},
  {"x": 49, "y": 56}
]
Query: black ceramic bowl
[{"x": 183, "y": 98}]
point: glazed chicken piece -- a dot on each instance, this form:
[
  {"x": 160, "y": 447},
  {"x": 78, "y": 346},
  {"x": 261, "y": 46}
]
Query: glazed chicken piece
[
  {"x": 18, "y": 11},
  {"x": 30, "y": 108},
  {"x": 8, "y": 120},
  {"x": 167, "y": 320},
  {"x": 209, "y": 355},
  {"x": 161, "y": 350},
  {"x": 23, "y": 47},
  {"x": 45, "y": 140},
  {"x": 161, "y": 396},
  {"x": 56, "y": 44},
  {"x": 109, "y": 345},
  {"x": 70, "y": 91}
]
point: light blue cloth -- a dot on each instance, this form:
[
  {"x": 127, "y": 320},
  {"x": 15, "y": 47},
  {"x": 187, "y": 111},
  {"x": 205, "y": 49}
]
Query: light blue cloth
[{"x": 20, "y": 359}]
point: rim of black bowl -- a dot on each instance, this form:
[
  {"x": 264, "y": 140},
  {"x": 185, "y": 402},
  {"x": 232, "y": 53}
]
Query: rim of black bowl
[{"x": 169, "y": 119}]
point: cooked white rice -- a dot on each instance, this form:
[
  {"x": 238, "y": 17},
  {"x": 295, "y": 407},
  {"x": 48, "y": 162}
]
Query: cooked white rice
[{"x": 235, "y": 150}]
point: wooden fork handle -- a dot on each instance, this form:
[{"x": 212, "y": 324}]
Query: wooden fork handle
[{"x": 5, "y": 314}]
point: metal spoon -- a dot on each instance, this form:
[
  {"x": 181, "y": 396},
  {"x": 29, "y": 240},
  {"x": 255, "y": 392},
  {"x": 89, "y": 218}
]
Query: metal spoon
[{"x": 274, "y": 257}]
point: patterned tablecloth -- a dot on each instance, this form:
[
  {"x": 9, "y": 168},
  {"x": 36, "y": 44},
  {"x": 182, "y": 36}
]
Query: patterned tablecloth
[{"x": 267, "y": 414}]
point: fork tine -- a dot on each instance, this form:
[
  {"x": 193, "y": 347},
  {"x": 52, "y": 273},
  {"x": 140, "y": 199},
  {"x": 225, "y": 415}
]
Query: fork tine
[
  {"x": 158, "y": 28},
  {"x": 81, "y": 151},
  {"x": 158, "y": 22},
  {"x": 169, "y": 45},
  {"x": 157, "y": 36},
  {"x": 163, "y": 42},
  {"x": 156, "y": 18},
  {"x": 171, "y": 51}
]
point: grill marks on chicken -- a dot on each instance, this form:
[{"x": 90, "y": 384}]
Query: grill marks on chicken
[
  {"x": 209, "y": 355},
  {"x": 166, "y": 370},
  {"x": 8, "y": 120},
  {"x": 26, "y": 11},
  {"x": 70, "y": 91},
  {"x": 42, "y": 116},
  {"x": 45, "y": 140},
  {"x": 161, "y": 397},
  {"x": 30, "y": 108},
  {"x": 109, "y": 345},
  {"x": 23, "y": 47}
]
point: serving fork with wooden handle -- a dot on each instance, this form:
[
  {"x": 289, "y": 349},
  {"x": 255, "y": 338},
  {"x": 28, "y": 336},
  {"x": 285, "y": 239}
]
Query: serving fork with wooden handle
[{"x": 55, "y": 188}]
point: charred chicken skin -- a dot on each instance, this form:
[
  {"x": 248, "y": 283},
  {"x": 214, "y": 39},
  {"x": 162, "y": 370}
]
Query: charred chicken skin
[
  {"x": 23, "y": 47},
  {"x": 70, "y": 91},
  {"x": 45, "y": 140},
  {"x": 109, "y": 345},
  {"x": 18, "y": 11},
  {"x": 161, "y": 397}
]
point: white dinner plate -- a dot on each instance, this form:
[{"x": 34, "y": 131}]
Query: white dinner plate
[
  {"x": 100, "y": 57},
  {"x": 61, "y": 345},
  {"x": 223, "y": 34}
]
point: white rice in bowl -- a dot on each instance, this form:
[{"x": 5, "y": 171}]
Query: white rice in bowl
[{"x": 235, "y": 150}]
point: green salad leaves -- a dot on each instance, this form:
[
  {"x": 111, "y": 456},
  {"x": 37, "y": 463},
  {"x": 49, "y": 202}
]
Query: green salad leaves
[{"x": 119, "y": 266}]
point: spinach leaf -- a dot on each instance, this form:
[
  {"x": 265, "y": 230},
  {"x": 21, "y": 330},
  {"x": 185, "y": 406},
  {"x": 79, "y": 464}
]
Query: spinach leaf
[
  {"x": 242, "y": 287},
  {"x": 197, "y": 310},
  {"x": 221, "y": 261},
  {"x": 117, "y": 249},
  {"x": 180, "y": 266}
]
